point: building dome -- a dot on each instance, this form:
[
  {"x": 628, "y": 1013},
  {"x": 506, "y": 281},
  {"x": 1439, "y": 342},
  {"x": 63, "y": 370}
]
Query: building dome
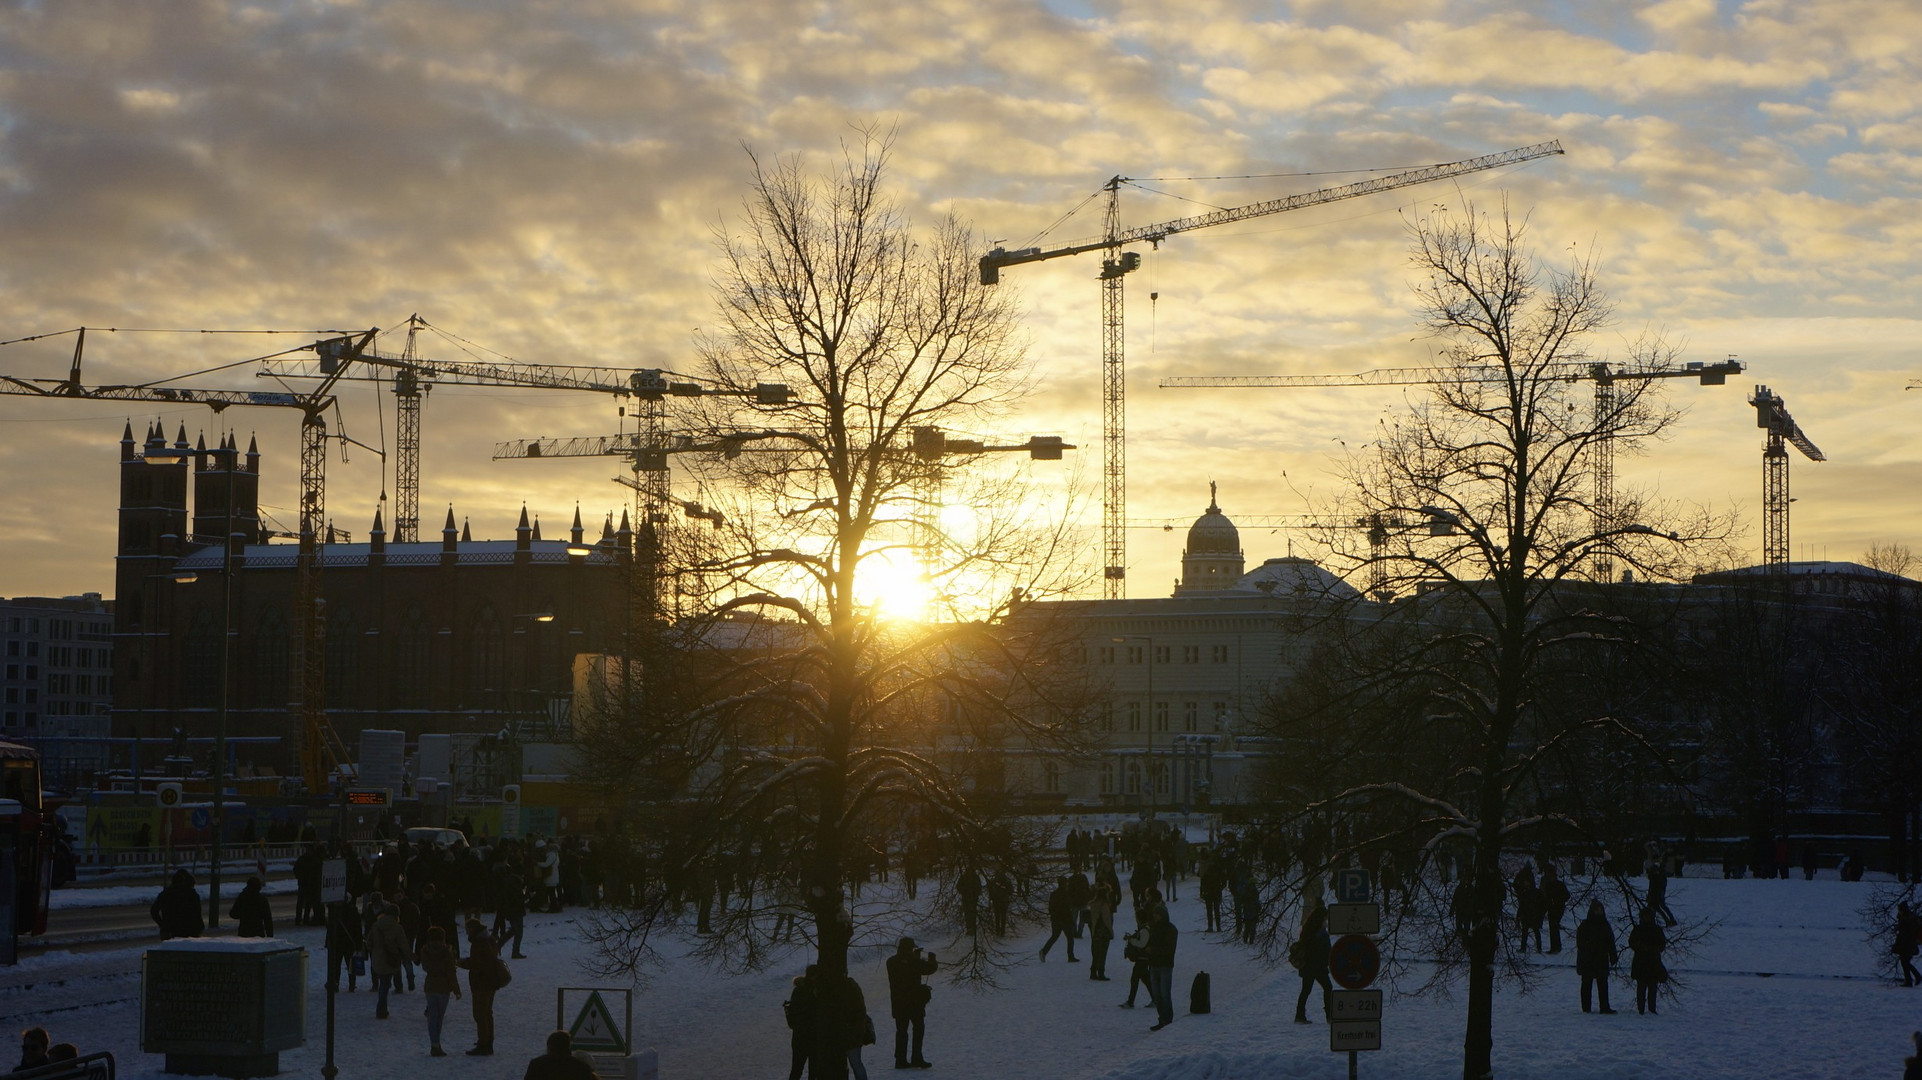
[
  {"x": 1212, "y": 533},
  {"x": 1212, "y": 560},
  {"x": 1292, "y": 576}
]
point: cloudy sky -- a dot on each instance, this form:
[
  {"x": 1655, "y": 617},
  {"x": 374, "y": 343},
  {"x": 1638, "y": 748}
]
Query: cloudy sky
[{"x": 544, "y": 178}]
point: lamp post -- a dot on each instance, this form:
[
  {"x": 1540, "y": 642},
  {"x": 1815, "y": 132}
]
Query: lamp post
[
  {"x": 1148, "y": 724},
  {"x": 231, "y": 456}
]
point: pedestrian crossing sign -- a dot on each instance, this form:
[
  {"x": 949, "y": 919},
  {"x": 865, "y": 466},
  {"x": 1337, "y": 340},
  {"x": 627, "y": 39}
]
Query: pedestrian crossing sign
[{"x": 594, "y": 1029}]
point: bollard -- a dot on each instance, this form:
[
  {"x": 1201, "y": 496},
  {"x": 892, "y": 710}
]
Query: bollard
[{"x": 645, "y": 1065}]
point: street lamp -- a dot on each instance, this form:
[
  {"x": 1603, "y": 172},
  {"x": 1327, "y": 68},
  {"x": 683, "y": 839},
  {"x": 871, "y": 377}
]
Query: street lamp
[
  {"x": 231, "y": 454},
  {"x": 1148, "y": 725}
]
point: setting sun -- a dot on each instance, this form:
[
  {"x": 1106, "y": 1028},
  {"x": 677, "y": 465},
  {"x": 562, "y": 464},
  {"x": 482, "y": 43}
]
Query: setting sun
[{"x": 895, "y": 585}]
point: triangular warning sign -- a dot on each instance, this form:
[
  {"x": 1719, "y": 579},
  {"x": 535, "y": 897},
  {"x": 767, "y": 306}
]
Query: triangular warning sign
[{"x": 594, "y": 1028}]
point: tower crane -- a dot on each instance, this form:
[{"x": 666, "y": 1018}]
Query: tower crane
[
  {"x": 413, "y": 376},
  {"x": 1117, "y": 264},
  {"x": 321, "y": 748},
  {"x": 1604, "y": 376},
  {"x": 1783, "y": 432}
]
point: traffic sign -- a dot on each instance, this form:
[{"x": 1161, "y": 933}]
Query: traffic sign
[
  {"x": 1354, "y": 885},
  {"x": 594, "y": 1029},
  {"x": 1354, "y": 918},
  {"x": 1352, "y": 1035},
  {"x": 1354, "y": 961},
  {"x": 1354, "y": 1005}
]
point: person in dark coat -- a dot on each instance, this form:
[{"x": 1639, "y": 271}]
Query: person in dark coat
[
  {"x": 1162, "y": 937},
  {"x": 1595, "y": 954},
  {"x": 1657, "y": 900},
  {"x": 307, "y": 874},
  {"x": 441, "y": 981},
  {"x": 33, "y": 1048},
  {"x": 344, "y": 939},
  {"x": 483, "y": 964},
  {"x": 251, "y": 910},
  {"x": 1310, "y": 958},
  {"x": 1554, "y": 905},
  {"x": 908, "y": 1000},
  {"x": 559, "y": 1063},
  {"x": 1646, "y": 942},
  {"x": 1214, "y": 880},
  {"x": 1060, "y": 921},
  {"x": 1100, "y": 931},
  {"x": 800, "y": 1010},
  {"x": 840, "y": 1030},
  {"x": 510, "y": 907},
  {"x": 1908, "y": 936},
  {"x": 177, "y": 909},
  {"x": 437, "y": 910},
  {"x": 1529, "y": 907}
]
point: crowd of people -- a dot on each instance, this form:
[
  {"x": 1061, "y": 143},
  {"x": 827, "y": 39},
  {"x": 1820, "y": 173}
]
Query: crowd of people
[{"x": 38, "y": 1050}]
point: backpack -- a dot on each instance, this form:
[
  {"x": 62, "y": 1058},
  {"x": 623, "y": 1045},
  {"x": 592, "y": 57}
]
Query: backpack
[
  {"x": 1198, "y": 997},
  {"x": 787, "y": 1013}
]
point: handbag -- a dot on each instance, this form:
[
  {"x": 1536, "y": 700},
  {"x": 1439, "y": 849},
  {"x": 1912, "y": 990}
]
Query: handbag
[
  {"x": 927, "y": 993},
  {"x": 502, "y": 973},
  {"x": 358, "y": 965},
  {"x": 867, "y": 1039}
]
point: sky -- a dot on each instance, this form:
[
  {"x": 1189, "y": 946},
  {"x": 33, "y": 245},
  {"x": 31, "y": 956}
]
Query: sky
[{"x": 544, "y": 182}]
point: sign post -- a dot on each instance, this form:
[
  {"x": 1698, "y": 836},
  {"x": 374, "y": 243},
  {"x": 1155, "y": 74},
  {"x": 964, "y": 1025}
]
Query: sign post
[
  {"x": 593, "y": 1026},
  {"x": 1354, "y": 1012}
]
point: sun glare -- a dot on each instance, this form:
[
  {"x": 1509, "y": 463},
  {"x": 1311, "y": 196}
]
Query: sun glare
[{"x": 894, "y": 584}]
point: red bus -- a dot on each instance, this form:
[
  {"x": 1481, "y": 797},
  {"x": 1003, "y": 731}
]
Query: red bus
[{"x": 26, "y": 830}]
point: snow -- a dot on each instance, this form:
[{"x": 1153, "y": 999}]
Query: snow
[
  {"x": 1785, "y": 984},
  {"x": 225, "y": 945}
]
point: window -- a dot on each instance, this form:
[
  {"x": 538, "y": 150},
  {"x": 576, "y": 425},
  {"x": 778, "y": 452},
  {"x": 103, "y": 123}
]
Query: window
[
  {"x": 1133, "y": 786},
  {"x": 1051, "y": 777},
  {"x": 1134, "y": 654},
  {"x": 203, "y": 659},
  {"x": 270, "y": 661},
  {"x": 1219, "y": 653},
  {"x": 1191, "y": 654},
  {"x": 1190, "y": 716},
  {"x": 1107, "y": 654},
  {"x": 487, "y": 668},
  {"x": 1134, "y": 716},
  {"x": 1161, "y": 716},
  {"x": 33, "y": 671},
  {"x": 13, "y": 695},
  {"x": 1221, "y": 715},
  {"x": 1161, "y": 654},
  {"x": 342, "y": 649},
  {"x": 13, "y": 648},
  {"x": 1106, "y": 720},
  {"x": 410, "y": 662},
  {"x": 1161, "y": 777},
  {"x": 13, "y": 671},
  {"x": 1107, "y": 776}
]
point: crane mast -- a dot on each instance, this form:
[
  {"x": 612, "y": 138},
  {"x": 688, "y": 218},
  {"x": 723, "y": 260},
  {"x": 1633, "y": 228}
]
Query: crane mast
[
  {"x": 1117, "y": 263},
  {"x": 1783, "y": 432}
]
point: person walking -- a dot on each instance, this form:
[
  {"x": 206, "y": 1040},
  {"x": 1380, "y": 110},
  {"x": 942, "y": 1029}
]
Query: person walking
[
  {"x": 843, "y": 1029},
  {"x": 486, "y": 974},
  {"x": 908, "y": 1000},
  {"x": 1162, "y": 937},
  {"x": 442, "y": 981},
  {"x": 344, "y": 941},
  {"x": 177, "y": 909},
  {"x": 1214, "y": 879},
  {"x": 1658, "y": 891},
  {"x": 1529, "y": 907},
  {"x": 1554, "y": 904},
  {"x": 307, "y": 874},
  {"x": 387, "y": 949},
  {"x": 1646, "y": 942},
  {"x": 510, "y": 908},
  {"x": 1595, "y": 955},
  {"x": 800, "y": 1011},
  {"x": 1908, "y": 936},
  {"x": 1100, "y": 931},
  {"x": 1310, "y": 957},
  {"x": 1060, "y": 920},
  {"x": 251, "y": 912}
]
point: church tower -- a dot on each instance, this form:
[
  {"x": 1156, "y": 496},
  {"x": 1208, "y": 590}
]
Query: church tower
[{"x": 1213, "y": 558}]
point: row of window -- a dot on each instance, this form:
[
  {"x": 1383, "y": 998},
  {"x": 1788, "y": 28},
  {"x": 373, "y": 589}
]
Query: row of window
[
  {"x": 32, "y": 672},
  {"x": 15, "y": 718},
  {"x": 1131, "y": 779},
  {"x": 1163, "y": 654},
  {"x": 63, "y": 683},
  {"x": 59, "y": 629},
  {"x": 23, "y": 648},
  {"x": 68, "y": 656},
  {"x": 1191, "y": 716}
]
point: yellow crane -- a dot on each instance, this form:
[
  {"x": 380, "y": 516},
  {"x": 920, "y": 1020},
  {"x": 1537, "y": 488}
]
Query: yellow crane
[{"x": 1117, "y": 264}]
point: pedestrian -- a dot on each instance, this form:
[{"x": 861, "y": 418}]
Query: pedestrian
[
  {"x": 1529, "y": 907},
  {"x": 559, "y": 1063},
  {"x": 1912, "y": 1065},
  {"x": 250, "y": 910},
  {"x": 1309, "y": 955},
  {"x": 1213, "y": 880},
  {"x": 437, "y": 909},
  {"x": 842, "y": 1030},
  {"x": 344, "y": 940},
  {"x": 486, "y": 975},
  {"x": 510, "y": 908},
  {"x": 442, "y": 981},
  {"x": 177, "y": 909},
  {"x": 1162, "y": 937},
  {"x": 1595, "y": 955},
  {"x": 1134, "y": 949},
  {"x": 1060, "y": 920},
  {"x": 1554, "y": 904},
  {"x": 968, "y": 886},
  {"x": 1646, "y": 942},
  {"x": 799, "y": 1010},
  {"x": 387, "y": 949},
  {"x": 307, "y": 874},
  {"x": 33, "y": 1048},
  {"x": 1100, "y": 931},
  {"x": 1908, "y": 935},
  {"x": 1000, "y": 899},
  {"x": 1658, "y": 891},
  {"x": 908, "y": 1000}
]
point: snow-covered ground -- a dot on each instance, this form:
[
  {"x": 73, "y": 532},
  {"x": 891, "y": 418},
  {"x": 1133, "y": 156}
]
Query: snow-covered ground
[
  {"x": 1785, "y": 986},
  {"x": 118, "y": 895}
]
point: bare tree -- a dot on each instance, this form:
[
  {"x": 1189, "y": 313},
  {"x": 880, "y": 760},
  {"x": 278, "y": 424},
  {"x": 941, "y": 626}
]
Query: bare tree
[
  {"x": 824, "y": 734},
  {"x": 1484, "y": 504}
]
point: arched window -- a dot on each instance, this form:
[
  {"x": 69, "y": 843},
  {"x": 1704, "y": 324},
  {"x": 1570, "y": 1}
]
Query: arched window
[
  {"x": 203, "y": 659},
  {"x": 1133, "y": 783},
  {"x": 268, "y": 650},
  {"x": 487, "y": 663},
  {"x": 343, "y": 650}
]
